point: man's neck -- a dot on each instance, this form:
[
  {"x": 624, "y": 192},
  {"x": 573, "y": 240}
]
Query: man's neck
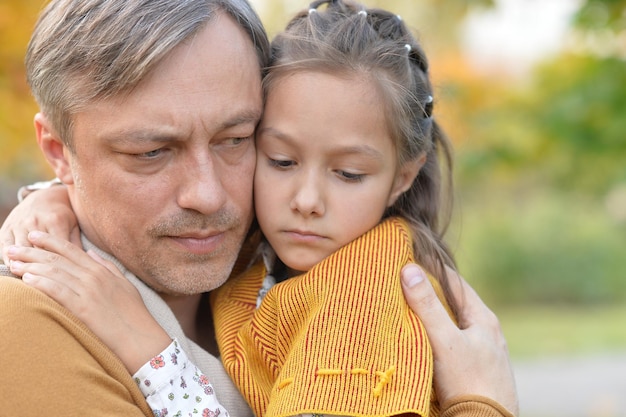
[
  {"x": 185, "y": 308},
  {"x": 194, "y": 318}
]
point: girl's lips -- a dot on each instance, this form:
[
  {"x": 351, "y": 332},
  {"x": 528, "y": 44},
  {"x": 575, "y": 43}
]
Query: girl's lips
[{"x": 303, "y": 236}]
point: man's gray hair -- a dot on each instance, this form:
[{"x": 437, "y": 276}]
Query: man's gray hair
[{"x": 82, "y": 50}]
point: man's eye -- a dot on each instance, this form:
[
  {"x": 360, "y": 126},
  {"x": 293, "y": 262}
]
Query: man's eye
[
  {"x": 350, "y": 177},
  {"x": 150, "y": 154},
  {"x": 238, "y": 141}
]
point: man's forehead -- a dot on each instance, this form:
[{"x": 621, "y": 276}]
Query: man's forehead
[{"x": 188, "y": 91}]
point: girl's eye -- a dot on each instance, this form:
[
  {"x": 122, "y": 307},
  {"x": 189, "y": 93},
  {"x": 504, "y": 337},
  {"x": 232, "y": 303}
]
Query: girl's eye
[
  {"x": 350, "y": 177},
  {"x": 280, "y": 163}
]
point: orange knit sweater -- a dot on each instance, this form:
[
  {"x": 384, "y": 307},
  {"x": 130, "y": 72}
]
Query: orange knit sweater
[{"x": 339, "y": 339}]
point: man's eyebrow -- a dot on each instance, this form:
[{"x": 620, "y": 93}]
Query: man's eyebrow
[
  {"x": 147, "y": 135},
  {"x": 137, "y": 136},
  {"x": 248, "y": 117}
]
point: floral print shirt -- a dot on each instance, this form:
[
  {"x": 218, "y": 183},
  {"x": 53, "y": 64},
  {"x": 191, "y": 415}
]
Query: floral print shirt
[{"x": 175, "y": 387}]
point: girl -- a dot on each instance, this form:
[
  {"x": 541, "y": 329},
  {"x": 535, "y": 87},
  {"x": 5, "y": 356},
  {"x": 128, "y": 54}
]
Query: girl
[
  {"x": 348, "y": 189},
  {"x": 347, "y": 139}
]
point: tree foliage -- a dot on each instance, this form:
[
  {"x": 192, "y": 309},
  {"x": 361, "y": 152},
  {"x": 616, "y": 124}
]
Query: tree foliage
[
  {"x": 602, "y": 15},
  {"x": 19, "y": 157},
  {"x": 541, "y": 173},
  {"x": 565, "y": 130}
]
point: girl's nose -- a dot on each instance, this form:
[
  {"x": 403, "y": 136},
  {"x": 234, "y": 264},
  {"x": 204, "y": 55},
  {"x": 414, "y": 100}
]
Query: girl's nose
[{"x": 308, "y": 198}]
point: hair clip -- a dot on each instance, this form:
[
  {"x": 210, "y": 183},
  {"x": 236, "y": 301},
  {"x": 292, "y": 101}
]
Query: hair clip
[
  {"x": 399, "y": 17},
  {"x": 362, "y": 13},
  {"x": 408, "y": 47},
  {"x": 428, "y": 107},
  {"x": 312, "y": 10}
]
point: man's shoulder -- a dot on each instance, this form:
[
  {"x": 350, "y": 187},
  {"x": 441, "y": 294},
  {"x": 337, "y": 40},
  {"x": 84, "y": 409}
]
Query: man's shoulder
[
  {"x": 20, "y": 303},
  {"x": 28, "y": 317},
  {"x": 25, "y": 308},
  {"x": 43, "y": 343}
]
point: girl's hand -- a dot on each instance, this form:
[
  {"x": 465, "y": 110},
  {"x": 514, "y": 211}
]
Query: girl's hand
[
  {"x": 48, "y": 210},
  {"x": 95, "y": 291},
  {"x": 471, "y": 359}
]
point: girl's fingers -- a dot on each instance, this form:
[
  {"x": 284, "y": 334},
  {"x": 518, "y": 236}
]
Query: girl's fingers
[
  {"x": 39, "y": 264},
  {"x": 8, "y": 239},
  {"x": 57, "y": 290},
  {"x": 42, "y": 248},
  {"x": 55, "y": 245},
  {"x": 62, "y": 254},
  {"x": 75, "y": 237},
  {"x": 107, "y": 264},
  {"x": 13, "y": 234},
  {"x": 57, "y": 260},
  {"x": 47, "y": 210}
]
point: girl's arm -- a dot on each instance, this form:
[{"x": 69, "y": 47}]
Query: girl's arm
[
  {"x": 472, "y": 360},
  {"x": 48, "y": 210},
  {"x": 95, "y": 291},
  {"x": 100, "y": 296}
]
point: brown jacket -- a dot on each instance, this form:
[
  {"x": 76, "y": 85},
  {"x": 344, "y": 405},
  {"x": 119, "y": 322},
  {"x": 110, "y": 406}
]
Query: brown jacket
[{"x": 52, "y": 364}]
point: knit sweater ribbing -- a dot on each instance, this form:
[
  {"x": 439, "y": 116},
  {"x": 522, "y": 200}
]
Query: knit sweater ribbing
[{"x": 339, "y": 339}]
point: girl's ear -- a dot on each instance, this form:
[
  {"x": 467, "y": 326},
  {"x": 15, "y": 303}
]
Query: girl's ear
[
  {"x": 405, "y": 177},
  {"x": 53, "y": 148}
]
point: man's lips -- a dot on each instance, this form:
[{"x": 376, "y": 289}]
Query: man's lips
[{"x": 200, "y": 243}]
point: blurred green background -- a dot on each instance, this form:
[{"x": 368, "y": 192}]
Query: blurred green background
[{"x": 540, "y": 220}]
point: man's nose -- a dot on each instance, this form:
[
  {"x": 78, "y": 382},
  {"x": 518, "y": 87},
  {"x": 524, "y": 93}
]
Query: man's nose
[{"x": 201, "y": 188}]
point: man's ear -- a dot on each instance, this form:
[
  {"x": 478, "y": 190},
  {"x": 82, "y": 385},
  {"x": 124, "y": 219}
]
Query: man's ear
[
  {"x": 53, "y": 148},
  {"x": 405, "y": 177}
]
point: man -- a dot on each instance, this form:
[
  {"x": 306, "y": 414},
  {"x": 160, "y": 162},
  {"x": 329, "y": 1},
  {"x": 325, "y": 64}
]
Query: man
[{"x": 148, "y": 109}]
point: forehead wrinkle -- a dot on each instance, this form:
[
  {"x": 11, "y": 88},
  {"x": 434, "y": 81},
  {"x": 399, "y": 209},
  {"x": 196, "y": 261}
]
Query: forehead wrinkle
[
  {"x": 248, "y": 116},
  {"x": 245, "y": 118},
  {"x": 135, "y": 135},
  {"x": 138, "y": 135}
]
